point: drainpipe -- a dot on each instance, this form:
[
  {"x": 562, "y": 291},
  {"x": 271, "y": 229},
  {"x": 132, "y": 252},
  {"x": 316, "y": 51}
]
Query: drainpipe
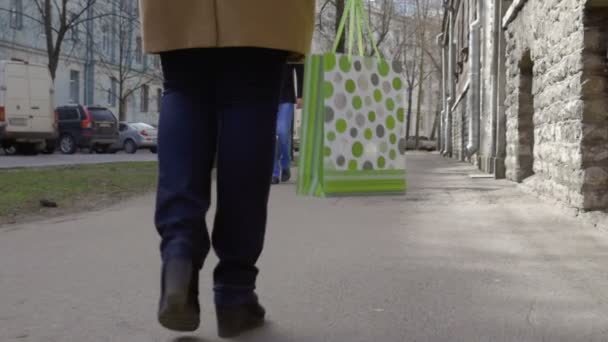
[
  {"x": 475, "y": 76},
  {"x": 441, "y": 137},
  {"x": 448, "y": 53}
]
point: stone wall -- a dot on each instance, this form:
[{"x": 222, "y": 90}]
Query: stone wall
[
  {"x": 552, "y": 32},
  {"x": 595, "y": 108}
]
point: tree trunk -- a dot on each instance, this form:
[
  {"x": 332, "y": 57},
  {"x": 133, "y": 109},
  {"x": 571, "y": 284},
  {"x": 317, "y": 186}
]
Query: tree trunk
[
  {"x": 339, "y": 13},
  {"x": 122, "y": 109},
  {"x": 435, "y": 122},
  {"x": 420, "y": 97},
  {"x": 410, "y": 95}
]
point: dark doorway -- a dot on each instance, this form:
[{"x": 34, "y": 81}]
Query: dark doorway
[{"x": 525, "y": 119}]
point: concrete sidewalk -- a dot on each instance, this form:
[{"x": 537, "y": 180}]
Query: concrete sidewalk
[{"x": 456, "y": 259}]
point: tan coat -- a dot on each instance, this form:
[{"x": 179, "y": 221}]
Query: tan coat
[{"x": 181, "y": 24}]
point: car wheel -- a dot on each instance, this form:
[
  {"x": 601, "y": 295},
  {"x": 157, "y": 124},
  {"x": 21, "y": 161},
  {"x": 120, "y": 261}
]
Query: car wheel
[
  {"x": 130, "y": 147},
  {"x": 102, "y": 149},
  {"x": 50, "y": 147},
  {"x": 153, "y": 149},
  {"x": 10, "y": 150},
  {"x": 67, "y": 145}
]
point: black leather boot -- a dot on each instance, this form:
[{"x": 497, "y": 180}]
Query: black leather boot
[
  {"x": 235, "y": 320},
  {"x": 286, "y": 175},
  {"x": 179, "y": 309}
]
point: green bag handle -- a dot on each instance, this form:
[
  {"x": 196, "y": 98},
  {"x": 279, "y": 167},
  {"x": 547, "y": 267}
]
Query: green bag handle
[{"x": 355, "y": 12}]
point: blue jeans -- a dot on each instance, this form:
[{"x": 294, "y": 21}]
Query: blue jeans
[
  {"x": 220, "y": 100},
  {"x": 282, "y": 157}
]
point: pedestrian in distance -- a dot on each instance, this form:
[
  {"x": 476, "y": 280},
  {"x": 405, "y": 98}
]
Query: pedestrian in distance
[
  {"x": 291, "y": 98},
  {"x": 222, "y": 63}
]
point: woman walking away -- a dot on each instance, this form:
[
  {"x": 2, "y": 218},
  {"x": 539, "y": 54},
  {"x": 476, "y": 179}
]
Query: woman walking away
[
  {"x": 291, "y": 98},
  {"x": 222, "y": 63}
]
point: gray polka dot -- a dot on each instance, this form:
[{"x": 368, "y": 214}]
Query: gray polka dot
[
  {"x": 402, "y": 145},
  {"x": 387, "y": 87},
  {"x": 340, "y": 101},
  {"x": 358, "y": 65},
  {"x": 338, "y": 78},
  {"x": 380, "y": 111},
  {"x": 368, "y": 166},
  {"x": 341, "y": 161},
  {"x": 354, "y": 132},
  {"x": 329, "y": 114},
  {"x": 368, "y": 101},
  {"x": 380, "y": 131},
  {"x": 360, "y": 120},
  {"x": 397, "y": 67},
  {"x": 363, "y": 83},
  {"x": 375, "y": 79}
]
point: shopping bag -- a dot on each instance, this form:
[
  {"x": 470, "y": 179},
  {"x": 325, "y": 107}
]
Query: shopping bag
[{"x": 352, "y": 139}]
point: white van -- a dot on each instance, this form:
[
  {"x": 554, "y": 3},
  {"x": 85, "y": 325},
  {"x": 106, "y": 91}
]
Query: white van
[{"x": 28, "y": 123}]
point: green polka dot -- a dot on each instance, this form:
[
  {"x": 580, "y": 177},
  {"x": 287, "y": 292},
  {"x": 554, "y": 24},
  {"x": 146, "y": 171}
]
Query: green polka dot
[
  {"x": 372, "y": 116},
  {"x": 383, "y": 68},
  {"x": 327, "y": 151},
  {"x": 392, "y": 154},
  {"x": 401, "y": 115},
  {"x": 341, "y": 126},
  {"x": 378, "y": 95},
  {"x": 393, "y": 139},
  {"x": 381, "y": 162},
  {"x": 328, "y": 89},
  {"x": 390, "y": 122},
  {"x": 350, "y": 86},
  {"x": 331, "y": 136},
  {"x": 352, "y": 165},
  {"x": 390, "y": 104},
  {"x": 384, "y": 147},
  {"x": 345, "y": 64},
  {"x": 357, "y": 149},
  {"x": 357, "y": 102},
  {"x": 329, "y": 62},
  {"x": 397, "y": 84},
  {"x": 369, "y": 134}
]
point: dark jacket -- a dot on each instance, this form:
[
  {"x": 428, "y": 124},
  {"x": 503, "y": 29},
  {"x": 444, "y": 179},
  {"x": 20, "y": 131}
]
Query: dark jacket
[{"x": 288, "y": 92}]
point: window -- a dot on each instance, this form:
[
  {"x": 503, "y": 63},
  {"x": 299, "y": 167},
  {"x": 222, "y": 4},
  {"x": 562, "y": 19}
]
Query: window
[
  {"x": 144, "y": 99},
  {"x": 159, "y": 99},
  {"x": 68, "y": 114},
  {"x": 75, "y": 28},
  {"x": 74, "y": 86},
  {"x": 113, "y": 92},
  {"x": 157, "y": 62},
  {"x": 138, "y": 50},
  {"x": 105, "y": 38},
  {"x": 16, "y": 14}
]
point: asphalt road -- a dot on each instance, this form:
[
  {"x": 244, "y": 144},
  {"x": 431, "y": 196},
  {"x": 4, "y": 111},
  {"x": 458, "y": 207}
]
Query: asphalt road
[
  {"x": 57, "y": 159},
  {"x": 457, "y": 259}
]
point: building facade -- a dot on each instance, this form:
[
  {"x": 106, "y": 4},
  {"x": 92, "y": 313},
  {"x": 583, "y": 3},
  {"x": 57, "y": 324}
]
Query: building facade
[
  {"x": 99, "y": 54},
  {"x": 525, "y": 93}
]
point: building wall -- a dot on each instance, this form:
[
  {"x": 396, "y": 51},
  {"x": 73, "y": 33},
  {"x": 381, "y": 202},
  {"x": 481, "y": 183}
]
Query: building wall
[{"x": 553, "y": 33}]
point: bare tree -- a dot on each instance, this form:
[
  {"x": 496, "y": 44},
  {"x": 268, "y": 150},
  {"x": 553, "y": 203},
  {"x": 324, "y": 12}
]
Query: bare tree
[
  {"x": 128, "y": 69},
  {"x": 58, "y": 18},
  {"x": 425, "y": 29}
]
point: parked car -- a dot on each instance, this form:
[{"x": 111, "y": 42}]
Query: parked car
[
  {"x": 92, "y": 127},
  {"x": 135, "y": 136},
  {"x": 424, "y": 143},
  {"x": 28, "y": 124}
]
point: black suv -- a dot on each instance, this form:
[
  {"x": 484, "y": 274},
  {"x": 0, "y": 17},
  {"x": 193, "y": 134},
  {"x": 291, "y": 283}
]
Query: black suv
[{"x": 91, "y": 127}]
